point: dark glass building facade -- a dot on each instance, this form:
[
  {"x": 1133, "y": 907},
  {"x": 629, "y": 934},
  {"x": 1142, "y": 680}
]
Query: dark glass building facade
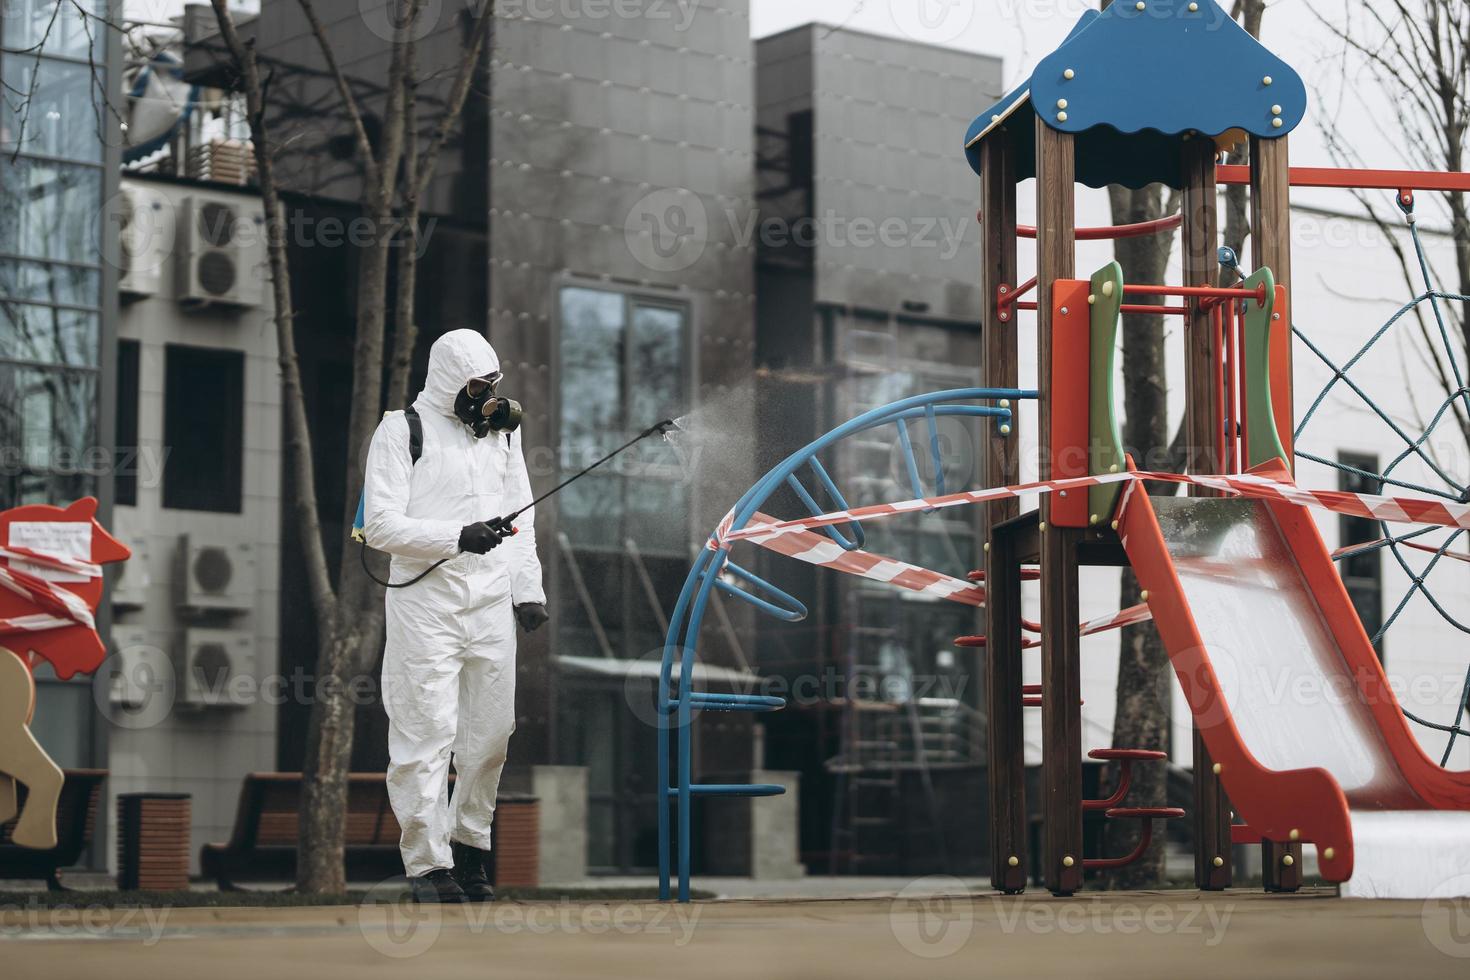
[{"x": 58, "y": 170}]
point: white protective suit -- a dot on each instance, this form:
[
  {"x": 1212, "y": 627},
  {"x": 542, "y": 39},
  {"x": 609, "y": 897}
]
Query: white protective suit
[{"x": 449, "y": 663}]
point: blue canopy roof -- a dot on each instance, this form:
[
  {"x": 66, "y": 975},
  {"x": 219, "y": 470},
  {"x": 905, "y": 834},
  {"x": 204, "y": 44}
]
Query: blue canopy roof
[{"x": 1135, "y": 80}]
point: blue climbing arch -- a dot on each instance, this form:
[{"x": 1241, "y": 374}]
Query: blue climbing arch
[{"x": 675, "y": 698}]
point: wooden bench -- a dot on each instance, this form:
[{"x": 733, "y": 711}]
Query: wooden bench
[
  {"x": 262, "y": 845},
  {"x": 76, "y": 819}
]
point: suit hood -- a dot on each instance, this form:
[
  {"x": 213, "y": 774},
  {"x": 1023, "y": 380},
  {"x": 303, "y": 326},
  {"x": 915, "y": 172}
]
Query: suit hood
[{"x": 454, "y": 359}]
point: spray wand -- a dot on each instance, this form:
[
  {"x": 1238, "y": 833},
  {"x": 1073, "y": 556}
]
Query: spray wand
[{"x": 503, "y": 525}]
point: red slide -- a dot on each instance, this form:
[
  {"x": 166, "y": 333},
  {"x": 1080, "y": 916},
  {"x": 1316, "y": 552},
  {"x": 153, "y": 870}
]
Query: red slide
[{"x": 1291, "y": 697}]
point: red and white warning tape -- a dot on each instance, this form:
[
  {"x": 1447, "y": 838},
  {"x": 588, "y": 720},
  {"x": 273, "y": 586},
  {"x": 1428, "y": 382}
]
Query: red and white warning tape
[
  {"x": 1397, "y": 510},
  {"x": 59, "y": 607},
  {"x": 818, "y": 549}
]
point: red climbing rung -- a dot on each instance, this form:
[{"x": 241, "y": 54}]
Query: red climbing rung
[
  {"x": 1028, "y": 574},
  {"x": 1199, "y": 292},
  {"x": 1033, "y": 700},
  {"x": 1145, "y": 813},
  {"x": 1125, "y": 773},
  {"x": 1131, "y": 755},
  {"x": 1112, "y": 232}
]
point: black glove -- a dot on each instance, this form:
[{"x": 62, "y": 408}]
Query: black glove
[
  {"x": 479, "y": 538},
  {"x": 532, "y": 616}
]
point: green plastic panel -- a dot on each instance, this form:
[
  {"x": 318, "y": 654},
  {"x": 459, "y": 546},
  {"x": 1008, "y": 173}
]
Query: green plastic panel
[
  {"x": 1263, "y": 442},
  {"x": 1105, "y": 439}
]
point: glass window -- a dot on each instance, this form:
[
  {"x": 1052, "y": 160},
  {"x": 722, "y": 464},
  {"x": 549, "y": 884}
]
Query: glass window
[
  {"x": 47, "y": 435},
  {"x": 1362, "y": 573},
  {"x": 48, "y": 334},
  {"x": 51, "y": 210},
  {"x": 203, "y": 428},
  {"x": 591, "y": 373},
  {"x": 125, "y": 462},
  {"x": 55, "y": 28},
  {"x": 623, "y": 368},
  {"x": 47, "y": 108},
  {"x": 45, "y": 282}
]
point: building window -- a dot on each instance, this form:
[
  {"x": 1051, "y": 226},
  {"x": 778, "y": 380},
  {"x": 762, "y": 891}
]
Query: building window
[
  {"x": 125, "y": 462},
  {"x": 57, "y": 216},
  {"x": 203, "y": 428},
  {"x": 59, "y": 120},
  {"x": 47, "y": 431},
  {"x": 63, "y": 30},
  {"x": 623, "y": 366},
  {"x": 1362, "y": 573}
]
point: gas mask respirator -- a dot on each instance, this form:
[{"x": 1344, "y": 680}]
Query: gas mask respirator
[{"x": 478, "y": 407}]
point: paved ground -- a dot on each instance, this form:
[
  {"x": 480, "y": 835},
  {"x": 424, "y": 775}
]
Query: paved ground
[{"x": 1133, "y": 935}]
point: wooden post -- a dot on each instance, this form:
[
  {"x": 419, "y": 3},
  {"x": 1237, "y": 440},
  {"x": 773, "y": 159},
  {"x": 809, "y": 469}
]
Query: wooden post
[
  {"x": 1271, "y": 235},
  {"x": 1001, "y": 467},
  {"x": 1202, "y": 268},
  {"x": 1061, "y": 713}
]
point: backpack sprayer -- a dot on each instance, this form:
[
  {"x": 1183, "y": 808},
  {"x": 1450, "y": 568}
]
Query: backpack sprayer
[{"x": 503, "y": 525}]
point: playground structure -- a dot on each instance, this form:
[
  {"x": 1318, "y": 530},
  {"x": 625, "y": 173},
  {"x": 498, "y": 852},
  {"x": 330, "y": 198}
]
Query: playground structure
[
  {"x": 1237, "y": 584},
  {"x": 52, "y": 583}
]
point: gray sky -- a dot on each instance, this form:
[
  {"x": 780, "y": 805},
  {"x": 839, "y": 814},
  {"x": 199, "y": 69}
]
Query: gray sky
[{"x": 1022, "y": 32}]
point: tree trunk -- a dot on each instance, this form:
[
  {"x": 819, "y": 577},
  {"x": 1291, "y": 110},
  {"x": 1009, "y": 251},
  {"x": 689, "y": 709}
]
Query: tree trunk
[
  {"x": 1143, "y": 698},
  {"x": 349, "y": 616}
]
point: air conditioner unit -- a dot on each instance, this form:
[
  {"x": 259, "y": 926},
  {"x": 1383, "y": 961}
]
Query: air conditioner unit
[
  {"x": 130, "y": 587},
  {"x": 211, "y": 666},
  {"x": 218, "y": 244},
  {"x": 145, "y": 237},
  {"x": 213, "y": 575},
  {"x": 140, "y": 670}
]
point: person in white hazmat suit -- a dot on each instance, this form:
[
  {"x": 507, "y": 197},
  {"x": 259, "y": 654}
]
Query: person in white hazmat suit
[{"x": 449, "y": 662}]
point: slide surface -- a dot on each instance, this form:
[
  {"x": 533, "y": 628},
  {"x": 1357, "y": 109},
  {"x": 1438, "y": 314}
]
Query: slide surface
[{"x": 1290, "y": 695}]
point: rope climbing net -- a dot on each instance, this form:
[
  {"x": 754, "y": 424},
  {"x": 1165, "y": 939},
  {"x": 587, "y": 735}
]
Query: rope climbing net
[{"x": 1418, "y": 452}]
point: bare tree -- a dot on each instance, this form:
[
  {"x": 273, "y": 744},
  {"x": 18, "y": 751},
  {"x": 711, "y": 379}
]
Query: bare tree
[
  {"x": 394, "y": 178},
  {"x": 1416, "y": 56},
  {"x": 1144, "y": 687}
]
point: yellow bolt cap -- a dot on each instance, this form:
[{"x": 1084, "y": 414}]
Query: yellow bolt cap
[
  {"x": 1295, "y": 834},
  {"x": 1328, "y": 853},
  {"x": 1013, "y": 861},
  {"x": 1115, "y": 525},
  {"x": 1144, "y": 595},
  {"x": 1069, "y": 74},
  {"x": 1288, "y": 860},
  {"x": 1217, "y": 768},
  {"x": 1219, "y": 862},
  {"x": 1067, "y": 861}
]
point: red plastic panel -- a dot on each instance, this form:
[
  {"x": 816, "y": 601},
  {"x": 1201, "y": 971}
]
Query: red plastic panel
[{"x": 1071, "y": 356}]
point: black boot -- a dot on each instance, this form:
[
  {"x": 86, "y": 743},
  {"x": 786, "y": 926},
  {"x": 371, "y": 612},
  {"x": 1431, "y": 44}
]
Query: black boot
[
  {"x": 436, "y": 888},
  {"x": 469, "y": 872}
]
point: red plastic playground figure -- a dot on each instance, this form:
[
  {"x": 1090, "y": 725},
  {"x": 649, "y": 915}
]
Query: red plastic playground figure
[{"x": 50, "y": 585}]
